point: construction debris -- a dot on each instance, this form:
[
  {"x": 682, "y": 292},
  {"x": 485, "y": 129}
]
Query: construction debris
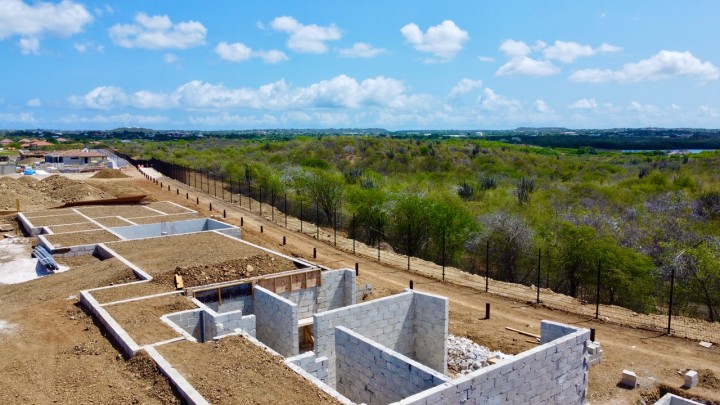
[
  {"x": 691, "y": 379},
  {"x": 629, "y": 379},
  {"x": 466, "y": 356}
]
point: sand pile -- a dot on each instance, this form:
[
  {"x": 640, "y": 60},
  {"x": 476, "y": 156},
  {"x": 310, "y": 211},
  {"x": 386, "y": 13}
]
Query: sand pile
[
  {"x": 65, "y": 190},
  {"x": 24, "y": 189},
  {"x": 109, "y": 174}
]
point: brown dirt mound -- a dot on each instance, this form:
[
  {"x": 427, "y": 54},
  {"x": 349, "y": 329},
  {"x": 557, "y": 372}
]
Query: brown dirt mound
[
  {"x": 234, "y": 269},
  {"x": 25, "y": 189},
  {"x": 145, "y": 369},
  {"x": 63, "y": 189},
  {"x": 109, "y": 174},
  {"x": 708, "y": 379}
]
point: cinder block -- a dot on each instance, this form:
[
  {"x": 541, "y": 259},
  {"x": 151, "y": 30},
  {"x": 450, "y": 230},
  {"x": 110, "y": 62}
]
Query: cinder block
[
  {"x": 629, "y": 379},
  {"x": 691, "y": 379}
]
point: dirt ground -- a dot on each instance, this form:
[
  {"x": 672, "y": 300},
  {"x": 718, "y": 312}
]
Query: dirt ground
[
  {"x": 51, "y": 351},
  {"x": 48, "y": 352},
  {"x": 214, "y": 256},
  {"x": 141, "y": 319},
  {"x": 265, "y": 378}
]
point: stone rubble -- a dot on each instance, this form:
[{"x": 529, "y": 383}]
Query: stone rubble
[{"x": 466, "y": 356}]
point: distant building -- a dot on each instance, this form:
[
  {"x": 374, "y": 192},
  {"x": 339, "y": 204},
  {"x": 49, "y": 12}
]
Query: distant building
[
  {"x": 76, "y": 157},
  {"x": 5, "y": 142},
  {"x": 39, "y": 144}
]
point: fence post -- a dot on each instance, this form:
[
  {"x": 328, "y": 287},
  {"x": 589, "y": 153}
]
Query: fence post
[
  {"x": 335, "y": 215},
  {"x": 408, "y": 246},
  {"x": 317, "y": 220},
  {"x": 672, "y": 287},
  {"x": 487, "y": 265},
  {"x": 537, "y": 300},
  {"x": 260, "y": 199},
  {"x": 443, "y": 253},
  {"x": 272, "y": 204},
  {"x": 597, "y": 291},
  {"x": 353, "y": 231},
  {"x": 214, "y": 184},
  {"x": 285, "y": 210},
  {"x": 301, "y": 224},
  {"x": 222, "y": 186}
]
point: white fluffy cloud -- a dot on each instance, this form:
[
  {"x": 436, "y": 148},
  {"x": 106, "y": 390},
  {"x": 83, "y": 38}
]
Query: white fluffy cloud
[
  {"x": 584, "y": 104},
  {"x": 88, "y": 46},
  {"x": 526, "y": 66},
  {"x": 443, "y": 41},
  {"x": 29, "y": 46},
  {"x": 33, "y": 20},
  {"x": 305, "y": 38},
  {"x": 522, "y": 64},
  {"x": 662, "y": 65},
  {"x": 567, "y": 52},
  {"x": 158, "y": 32},
  {"x": 239, "y": 52},
  {"x": 101, "y": 98},
  {"x": 361, "y": 50},
  {"x": 338, "y": 92},
  {"x": 491, "y": 101},
  {"x": 542, "y": 107},
  {"x": 35, "y": 102},
  {"x": 464, "y": 86}
]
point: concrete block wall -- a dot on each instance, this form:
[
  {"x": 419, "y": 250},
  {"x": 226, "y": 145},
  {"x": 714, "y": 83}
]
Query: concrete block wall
[
  {"x": 387, "y": 320},
  {"x": 367, "y": 372},
  {"x": 188, "y": 321},
  {"x": 555, "y": 372},
  {"x": 431, "y": 330},
  {"x": 276, "y": 320},
  {"x": 337, "y": 290},
  {"x": 315, "y": 366}
]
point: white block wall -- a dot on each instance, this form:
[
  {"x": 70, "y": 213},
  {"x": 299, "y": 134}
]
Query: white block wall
[
  {"x": 315, "y": 366},
  {"x": 368, "y": 372},
  {"x": 553, "y": 373},
  {"x": 201, "y": 323},
  {"x": 337, "y": 290},
  {"x": 276, "y": 322},
  {"x": 431, "y": 330}
]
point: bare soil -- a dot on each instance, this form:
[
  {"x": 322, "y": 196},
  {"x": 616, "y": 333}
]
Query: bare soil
[
  {"x": 123, "y": 292},
  {"x": 87, "y": 226},
  {"x": 109, "y": 174},
  {"x": 58, "y": 220},
  {"x": 233, "y": 269},
  {"x": 164, "y": 218},
  {"x": 200, "y": 251},
  {"x": 125, "y": 211},
  {"x": 168, "y": 208},
  {"x": 112, "y": 221},
  {"x": 241, "y": 373},
  {"x": 141, "y": 319},
  {"x": 55, "y": 353},
  {"x": 81, "y": 238}
]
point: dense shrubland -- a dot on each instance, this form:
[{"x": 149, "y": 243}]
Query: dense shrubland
[{"x": 638, "y": 216}]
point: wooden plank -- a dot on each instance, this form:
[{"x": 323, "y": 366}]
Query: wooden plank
[
  {"x": 523, "y": 332},
  {"x": 179, "y": 284}
]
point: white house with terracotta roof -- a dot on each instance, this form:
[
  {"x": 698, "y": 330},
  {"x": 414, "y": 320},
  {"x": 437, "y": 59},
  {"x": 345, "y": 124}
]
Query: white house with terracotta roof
[
  {"x": 76, "y": 157},
  {"x": 5, "y": 142}
]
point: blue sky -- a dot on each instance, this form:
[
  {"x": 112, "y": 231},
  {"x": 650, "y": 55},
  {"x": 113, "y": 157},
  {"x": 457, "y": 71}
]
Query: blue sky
[{"x": 461, "y": 64}]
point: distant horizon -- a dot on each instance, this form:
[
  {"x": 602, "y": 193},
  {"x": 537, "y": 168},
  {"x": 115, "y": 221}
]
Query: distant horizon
[
  {"x": 361, "y": 129},
  {"x": 89, "y": 65}
]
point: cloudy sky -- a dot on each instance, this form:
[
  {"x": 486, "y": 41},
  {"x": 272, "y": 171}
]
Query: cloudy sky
[{"x": 461, "y": 64}]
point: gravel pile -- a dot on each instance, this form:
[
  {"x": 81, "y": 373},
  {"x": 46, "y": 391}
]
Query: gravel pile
[{"x": 466, "y": 356}]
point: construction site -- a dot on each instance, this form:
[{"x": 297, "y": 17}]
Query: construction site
[{"x": 130, "y": 287}]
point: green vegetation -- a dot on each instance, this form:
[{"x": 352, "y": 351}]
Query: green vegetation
[{"x": 639, "y": 216}]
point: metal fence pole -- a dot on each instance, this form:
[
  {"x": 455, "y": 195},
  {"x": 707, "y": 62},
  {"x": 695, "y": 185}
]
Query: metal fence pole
[
  {"x": 487, "y": 265},
  {"x": 597, "y": 291},
  {"x": 285, "y": 210},
  {"x": 672, "y": 287},
  {"x": 537, "y": 300},
  {"x": 443, "y": 254},
  {"x": 317, "y": 220}
]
